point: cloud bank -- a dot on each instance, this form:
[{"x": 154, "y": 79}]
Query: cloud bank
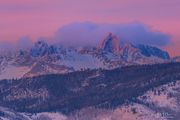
[
  {"x": 91, "y": 34},
  {"x": 87, "y": 33}
]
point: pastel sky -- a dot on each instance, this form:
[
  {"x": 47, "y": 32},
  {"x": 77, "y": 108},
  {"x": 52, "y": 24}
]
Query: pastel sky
[{"x": 36, "y": 18}]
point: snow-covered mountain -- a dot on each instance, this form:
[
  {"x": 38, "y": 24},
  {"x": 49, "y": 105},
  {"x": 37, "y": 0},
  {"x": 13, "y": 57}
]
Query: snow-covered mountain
[{"x": 48, "y": 59}]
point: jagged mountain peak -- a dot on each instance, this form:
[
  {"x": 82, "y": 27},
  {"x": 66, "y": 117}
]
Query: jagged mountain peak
[
  {"x": 40, "y": 48},
  {"x": 149, "y": 51},
  {"x": 41, "y": 43},
  {"x": 110, "y": 43}
]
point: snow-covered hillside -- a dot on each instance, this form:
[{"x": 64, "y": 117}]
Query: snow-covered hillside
[{"x": 160, "y": 103}]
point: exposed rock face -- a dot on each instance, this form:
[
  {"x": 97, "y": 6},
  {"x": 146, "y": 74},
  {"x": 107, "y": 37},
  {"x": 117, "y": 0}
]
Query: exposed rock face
[{"x": 110, "y": 44}]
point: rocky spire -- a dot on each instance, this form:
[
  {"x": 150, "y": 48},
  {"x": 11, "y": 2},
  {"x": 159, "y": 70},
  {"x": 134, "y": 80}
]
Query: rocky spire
[{"x": 110, "y": 44}]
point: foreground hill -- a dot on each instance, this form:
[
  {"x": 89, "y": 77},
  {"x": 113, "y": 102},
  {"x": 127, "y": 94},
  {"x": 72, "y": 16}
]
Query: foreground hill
[
  {"x": 160, "y": 103},
  {"x": 73, "y": 91}
]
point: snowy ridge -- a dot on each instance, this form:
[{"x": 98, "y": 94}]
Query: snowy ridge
[{"x": 54, "y": 59}]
